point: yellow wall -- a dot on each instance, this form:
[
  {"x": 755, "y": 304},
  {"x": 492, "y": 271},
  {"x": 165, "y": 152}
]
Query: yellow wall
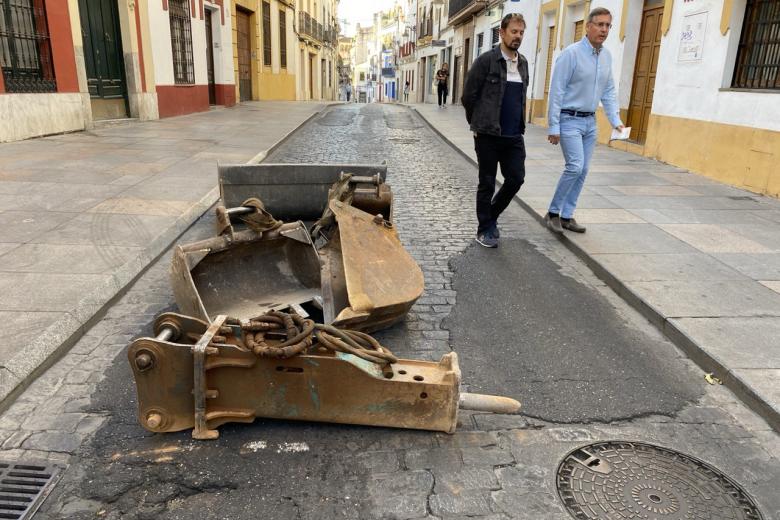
[
  {"x": 277, "y": 86},
  {"x": 741, "y": 156},
  {"x": 265, "y": 83},
  {"x": 738, "y": 155}
]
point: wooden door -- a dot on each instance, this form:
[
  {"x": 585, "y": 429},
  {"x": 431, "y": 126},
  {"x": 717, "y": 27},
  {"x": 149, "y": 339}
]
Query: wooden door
[
  {"x": 244, "y": 56},
  {"x": 210, "y": 60},
  {"x": 102, "y": 48},
  {"x": 643, "y": 86},
  {"x": 547, "y": 77}
]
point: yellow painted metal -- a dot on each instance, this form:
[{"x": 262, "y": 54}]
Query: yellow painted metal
[{"x": 725, "y": 16}]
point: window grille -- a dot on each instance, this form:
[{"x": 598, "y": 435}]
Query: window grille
[
  {"x": 480, "y": 41},
  {"x": 181, "y": 41},
  {"x": 494, "y": 37},
  {"x": 267, "y": 49},
  {"x": 758, "y": 55},
  {"x": 25, "y": 48},
  {"x": 283, "y": 39}
]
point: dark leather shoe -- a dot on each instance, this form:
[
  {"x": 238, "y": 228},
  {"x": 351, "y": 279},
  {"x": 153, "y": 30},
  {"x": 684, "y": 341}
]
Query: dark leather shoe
[
  {"x": 572, "y": 225},
  {"x": 553, "y": 223}
]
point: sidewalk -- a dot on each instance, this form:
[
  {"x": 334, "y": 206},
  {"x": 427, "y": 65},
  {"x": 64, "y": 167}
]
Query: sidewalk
[
  {"x": 699, "y": 259},
  {"x": 82, "y": 214}
]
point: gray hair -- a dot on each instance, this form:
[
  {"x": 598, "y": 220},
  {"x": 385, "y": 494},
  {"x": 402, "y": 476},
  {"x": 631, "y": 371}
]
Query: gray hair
[{"x": 599, "y": 11}]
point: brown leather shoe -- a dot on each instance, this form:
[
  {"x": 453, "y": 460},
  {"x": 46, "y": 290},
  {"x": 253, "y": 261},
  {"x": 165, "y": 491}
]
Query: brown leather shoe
[
  {"x": 553, "y": 223},
  {"x": 572, "y": 225}
]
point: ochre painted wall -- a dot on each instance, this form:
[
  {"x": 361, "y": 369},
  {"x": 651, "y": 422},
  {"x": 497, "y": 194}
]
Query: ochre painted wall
[
  {"x": 277, "y": 86},
  {"x": 738, "y": 155}
]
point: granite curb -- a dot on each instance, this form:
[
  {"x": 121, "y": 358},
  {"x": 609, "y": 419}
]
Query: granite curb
[
  {"x": 695, "y": 351},
  {"x": 57, "y": 338}
]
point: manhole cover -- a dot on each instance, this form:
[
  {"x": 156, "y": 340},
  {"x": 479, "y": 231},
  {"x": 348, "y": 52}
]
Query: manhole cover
[
  {"x": 624, "y": 480},
  {"x": 23, "y": 487}
]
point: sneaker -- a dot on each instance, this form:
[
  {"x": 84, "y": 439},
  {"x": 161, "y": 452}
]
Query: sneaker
[
  {"x": 496, "y": 232},
  {"x": 571, "y": 225},
  {"x": 553, "y": 223},
  {"x": 487, "y": 239}
]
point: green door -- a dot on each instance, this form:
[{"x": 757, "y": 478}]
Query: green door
[{"x": 102, "y": 48}]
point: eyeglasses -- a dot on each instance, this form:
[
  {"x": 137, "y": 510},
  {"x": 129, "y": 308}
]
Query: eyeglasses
[{"x": 602, "y": 25}]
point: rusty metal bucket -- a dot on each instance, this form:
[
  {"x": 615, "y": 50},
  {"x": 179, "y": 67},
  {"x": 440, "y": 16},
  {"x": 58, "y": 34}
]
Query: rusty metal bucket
[{"x": 361, "y": 277}]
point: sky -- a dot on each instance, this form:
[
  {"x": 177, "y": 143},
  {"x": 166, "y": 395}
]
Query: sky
[{"x": 360, "y": 11}]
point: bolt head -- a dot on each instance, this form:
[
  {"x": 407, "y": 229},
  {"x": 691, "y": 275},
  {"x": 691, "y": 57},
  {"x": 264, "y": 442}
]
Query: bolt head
[
  {"x": 144, "y": 361},
  {"x": 154, "y": 420}
]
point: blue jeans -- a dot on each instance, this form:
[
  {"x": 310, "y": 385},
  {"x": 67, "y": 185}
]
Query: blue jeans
[{"x": 578, "y": 139}]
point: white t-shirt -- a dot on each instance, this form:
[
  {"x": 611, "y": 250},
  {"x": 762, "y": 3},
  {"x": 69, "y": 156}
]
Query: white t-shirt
[{"x": 512, "y": 68}]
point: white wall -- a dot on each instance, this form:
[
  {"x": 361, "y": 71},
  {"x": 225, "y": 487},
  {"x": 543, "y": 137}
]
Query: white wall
[
  {"x": 160, "y": 30},
  {"x": 692, "y": 89}
]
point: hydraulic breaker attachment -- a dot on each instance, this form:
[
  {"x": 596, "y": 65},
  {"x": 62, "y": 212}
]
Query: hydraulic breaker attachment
[{"x": 201, "y": 375}]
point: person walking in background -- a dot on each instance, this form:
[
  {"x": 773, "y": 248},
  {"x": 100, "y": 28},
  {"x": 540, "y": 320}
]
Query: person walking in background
[
  {"x": 348, "y": 91},
  {"x": 494, "y": 100},
  {"x": 406, "y": 92},
  {"x": 442, "y": 75},
  {"x": 581, "y": 77}
]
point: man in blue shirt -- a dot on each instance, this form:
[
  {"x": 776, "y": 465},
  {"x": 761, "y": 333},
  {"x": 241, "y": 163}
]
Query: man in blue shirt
[
  {"x": 581, "y": 78},
  {"x": 494, "y": 100}
]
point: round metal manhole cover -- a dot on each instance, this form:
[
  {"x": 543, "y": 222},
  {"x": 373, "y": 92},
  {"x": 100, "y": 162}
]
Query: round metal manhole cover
[{"x": 627, "y": 480}]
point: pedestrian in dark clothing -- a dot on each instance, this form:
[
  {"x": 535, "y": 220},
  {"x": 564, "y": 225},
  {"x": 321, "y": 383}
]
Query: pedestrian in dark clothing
[
  {"x": 442, "y": 75},
  {"x": 494, "y": 99}
]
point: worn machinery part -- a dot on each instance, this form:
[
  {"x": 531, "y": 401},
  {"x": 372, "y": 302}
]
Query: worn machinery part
[
  {"x": 259, "y": 219},
  {"x": 298, "y": 331},
  {"x": 353, "y": 342},
  {"x": 488, "y": 403}
]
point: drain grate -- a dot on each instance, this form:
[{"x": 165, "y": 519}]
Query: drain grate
[
  {"x": 404, "y": 140},
  {"x": 24, "y": 487},
  {"x": 630, "y": 480}
]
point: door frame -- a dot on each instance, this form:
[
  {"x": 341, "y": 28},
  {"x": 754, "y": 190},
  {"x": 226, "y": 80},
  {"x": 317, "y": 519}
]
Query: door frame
[{"x": 648, "y": 6}]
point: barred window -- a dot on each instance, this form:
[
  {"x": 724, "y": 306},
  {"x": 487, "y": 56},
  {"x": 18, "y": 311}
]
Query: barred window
[
  {"x": 283, "y": 39},
  {"x": 267, "y": 50},
  {"x": 494, "y": 37},
  {"x": 25, "y": 48},
  {"x": 181, "y": 41},
  {"x": 758, "y": 55},
  {"x": 480, "y": 41}
]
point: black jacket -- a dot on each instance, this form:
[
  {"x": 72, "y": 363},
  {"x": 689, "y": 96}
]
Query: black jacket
[{"x": 484, "y": 90}]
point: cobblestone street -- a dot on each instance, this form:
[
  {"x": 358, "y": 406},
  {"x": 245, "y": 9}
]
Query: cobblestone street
[{"x": 528, "y": 320}]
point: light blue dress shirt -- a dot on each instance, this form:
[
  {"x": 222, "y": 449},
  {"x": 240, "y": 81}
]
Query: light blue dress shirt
[{"x": 580, "y": 79}]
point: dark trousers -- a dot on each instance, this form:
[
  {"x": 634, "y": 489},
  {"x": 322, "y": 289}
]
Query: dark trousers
[
  {"x": 442, "y": 90},
  {"x": 492, "y": 150}
]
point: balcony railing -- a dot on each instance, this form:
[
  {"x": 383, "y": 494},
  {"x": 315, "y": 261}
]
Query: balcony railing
[
  {"x": 461, "y": 10},
  {"x": 308, "y": 26}
]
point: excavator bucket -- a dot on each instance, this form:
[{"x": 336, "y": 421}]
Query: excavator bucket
[{"x": 349, "y": 270}]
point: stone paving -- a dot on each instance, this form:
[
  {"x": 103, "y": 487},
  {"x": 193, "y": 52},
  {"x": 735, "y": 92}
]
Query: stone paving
[
  {"x": 82, "y": 214},
  {"x": 496, "y": 467},
  {"x": 700, "y": 259}
]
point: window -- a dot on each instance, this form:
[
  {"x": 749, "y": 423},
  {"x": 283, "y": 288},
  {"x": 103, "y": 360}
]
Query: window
[
  {"x": 181, "y": 41},
  {"x": 283, "y": 39},
  {"x": 758, "y": 55},
  {"x": 25, "y": 49},
  {"x": 267, "y": 50},
  {"x": 494, "y": 37},
  {"x": 480, "y": 40}
]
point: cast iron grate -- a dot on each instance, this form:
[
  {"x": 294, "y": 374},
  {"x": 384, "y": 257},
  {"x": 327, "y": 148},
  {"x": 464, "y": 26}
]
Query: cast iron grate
[
  {"x": 24, "y": 487},
  {"x": 630, "y": 480}
]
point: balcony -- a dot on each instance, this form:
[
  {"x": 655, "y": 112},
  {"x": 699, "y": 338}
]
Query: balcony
[
  {"x": 309, "y": 27},
  {"x": 461, "y": 11}
]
